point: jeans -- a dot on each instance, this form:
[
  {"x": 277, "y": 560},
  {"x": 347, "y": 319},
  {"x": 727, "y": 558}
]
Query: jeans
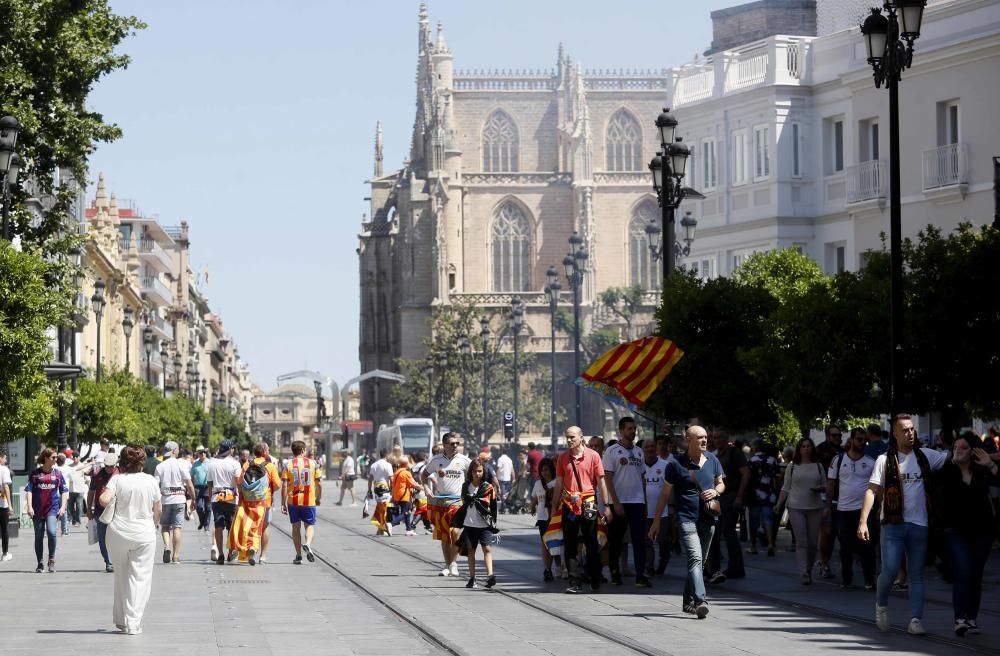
[
  {"x": 734, "y": 550},
  {"x": 102, "y": 540},
  {"x": 806, "y": 526},
  {"x": 761, "y": 516},
  {"x": 404, "y": 513},
  {"x": 577, "y": 531},
  {"x": 504, "y": 491},
  {"x": 75, "y": 500},
  {"x": 4, "y": 526},
  {"x": 846, "y": 525},
  {"x": 898, "y": 539},
  {"x": 203, "y": 505},
  {"x": 45, "y": 525},
  {"x": 696, "y": 537},
  {"x": 662, "y": 543},
  {"x": 968, "y": 553},
  {"x": 634, "y": 521}
]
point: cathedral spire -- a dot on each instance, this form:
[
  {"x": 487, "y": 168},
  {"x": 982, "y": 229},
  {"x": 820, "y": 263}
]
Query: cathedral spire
[
  {"x": 101, "y": 199},
  {"x": 113, "y": 211},
  {"x": 441, "y": 46},
  {"x": 378, "y": 149}
]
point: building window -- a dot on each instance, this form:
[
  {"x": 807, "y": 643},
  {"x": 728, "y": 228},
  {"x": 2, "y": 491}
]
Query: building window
[
  {"x": 499, "y": 143},
  {"x": 511, "y": 249},
  {"x": 709, "y": 166},
  {"x": 796, "y": 151},
  {"x": 703, "y": 268},
  {"x": 836, "y": 258},
  {"x": 948, "y": 125},
  {"x": 761, "y": 152},
  {"x": 624, "y": 143},
  {"x": 286, "y": 439},
  {"x": 642, "y": 270},
  {"x": 739, "y": 152},
  {"x": 833, "y": 145}
]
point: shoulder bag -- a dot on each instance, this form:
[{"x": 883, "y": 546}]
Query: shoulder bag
[
  {"x": 589, "y": 507},
  {"x": 712, "y": 507}
]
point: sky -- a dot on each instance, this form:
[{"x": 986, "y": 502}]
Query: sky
[{"x": 254, "y": 121}]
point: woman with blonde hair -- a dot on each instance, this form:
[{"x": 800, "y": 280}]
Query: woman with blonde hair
[{"x": 131, "y": 503}]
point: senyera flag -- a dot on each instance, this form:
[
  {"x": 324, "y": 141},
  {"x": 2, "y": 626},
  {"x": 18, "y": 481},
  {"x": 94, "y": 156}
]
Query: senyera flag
[{"x": 629, "y": 373}]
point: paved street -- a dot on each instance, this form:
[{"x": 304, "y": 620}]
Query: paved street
[{"x": 202, "y": 608}]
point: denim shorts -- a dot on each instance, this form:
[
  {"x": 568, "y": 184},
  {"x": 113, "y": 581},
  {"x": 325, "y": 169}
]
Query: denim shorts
[{"x": 172, "y": 516}]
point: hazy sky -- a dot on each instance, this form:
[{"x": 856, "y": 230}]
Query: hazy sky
[{"x": 255, "y": 121}]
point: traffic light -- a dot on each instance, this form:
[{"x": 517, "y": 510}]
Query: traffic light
[{"x": 508, "y": 425}]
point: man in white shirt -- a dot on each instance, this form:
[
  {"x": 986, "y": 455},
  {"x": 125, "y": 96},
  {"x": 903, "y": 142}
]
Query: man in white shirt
[
  {"x": 5, "y": 506},
  {"x": 223, "y": 474},
  {"x": 623, "y": 473},
  {"x": 177, "y": 491},
  {"x": 505, "y": 474},
  {"x": 348, "y": 474},
  {"x": 899, "y": 476},
  {"x": 654, "y": 469},
  {"x": 847, "y": 481},
  {"x": 448, "y": 469},
  {"x": 380, "y": 487}
]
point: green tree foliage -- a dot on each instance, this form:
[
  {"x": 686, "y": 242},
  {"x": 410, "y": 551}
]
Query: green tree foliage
[
  {"x": 105, "y": 410},
  {"x": 28, "y": 307}
]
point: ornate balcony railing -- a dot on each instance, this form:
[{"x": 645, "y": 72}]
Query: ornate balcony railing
[
  {"x": 945, "y": 166},
  {"x": 865, "y": 181}
]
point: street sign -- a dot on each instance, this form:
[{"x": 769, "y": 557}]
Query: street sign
[
  {"x": 359, "y": 426},
  {"x": 508, "y": 415}
]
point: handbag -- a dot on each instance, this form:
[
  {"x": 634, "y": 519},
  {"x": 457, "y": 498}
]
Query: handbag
[
  {"x": 589, "y": 508},
  {"x": 711, "y": 507},
  {"x": 92, "y": 537},
  {"x": 108, "y": 515}
]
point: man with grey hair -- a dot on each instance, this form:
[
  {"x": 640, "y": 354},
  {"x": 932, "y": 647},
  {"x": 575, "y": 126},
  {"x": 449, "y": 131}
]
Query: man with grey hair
[
  {"x": 697, "y": 477},
  {"x": 174, "y": 477}
]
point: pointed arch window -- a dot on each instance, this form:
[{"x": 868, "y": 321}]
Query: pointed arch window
[
  {"x": 510, "y": 249},
  {"x": 642, "y": 270},
  {"x": 500, "y": 144},
  {"x": 624, "y": 143}
]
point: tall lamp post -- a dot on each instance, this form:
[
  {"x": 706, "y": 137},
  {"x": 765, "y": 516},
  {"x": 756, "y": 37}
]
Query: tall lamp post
[
  {"x": 689, "y": 224},
  {"x": 164, "y": 355},
  {"x": 147, "y": 343},
  {"x": 516, "y": 324},
  {"x": 484, "y": 333},
  {"x": 442, "y": 366},
  {"x": 127, "y": 325},
  {"x": 465, "y": 348},
  {"x": 668, "y": 168},
  {"x": 889, "y": 41},
  {"x": 575, "y": 265},
  {"x": 552, "y": 294},
  {"x": 10, "y": 166},
  {"x": 97, "y": 301},
  {"x": 429, "y": 370}
]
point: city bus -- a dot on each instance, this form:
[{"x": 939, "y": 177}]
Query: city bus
[{"x": 411, "y": 434}]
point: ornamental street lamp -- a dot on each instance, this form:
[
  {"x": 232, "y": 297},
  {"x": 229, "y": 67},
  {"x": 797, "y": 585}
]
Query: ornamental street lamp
[
  {"x": 552, "y": 294},
  {"x": 147, "y": 342},
  {"x": 516, "y": 324},
  {"x": 465, "y": 349},
  {"x": 484, "y": 333},
  {"x": 164, "y": 355},
  {"x": 653, "y": 232},
  {"x": 98, "y": 301},
  {"x": 127, "y": 325},
  {"x": 192, "y": 379},
  {"x": 575, "y": 266},
  {"x": 204, "y": 389},
  {"x": 10, "y": 166},
  {"x": 889, "y": 41},
  {"x": 178, "y": 366}
]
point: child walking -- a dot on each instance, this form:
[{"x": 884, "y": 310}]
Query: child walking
[{"x": 478, "y": 518}]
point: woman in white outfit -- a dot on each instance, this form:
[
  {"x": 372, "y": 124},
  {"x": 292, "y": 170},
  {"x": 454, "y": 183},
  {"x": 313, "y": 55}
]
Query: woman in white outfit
[{"x": 135, "y": 498}]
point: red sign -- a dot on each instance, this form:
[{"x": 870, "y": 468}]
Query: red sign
[{"x": 363, "y": 426}]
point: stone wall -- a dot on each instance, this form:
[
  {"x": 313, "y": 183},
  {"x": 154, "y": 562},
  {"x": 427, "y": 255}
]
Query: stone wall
[{"x": 743, "y": 24}]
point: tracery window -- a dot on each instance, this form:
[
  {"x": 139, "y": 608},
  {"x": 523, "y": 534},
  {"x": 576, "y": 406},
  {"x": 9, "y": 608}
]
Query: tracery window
[
  {"x": 500, "y": 143},
  {"x": 624, "y": 143},
  {"x": 642, "y": 270},
  {"x": 510, "y": 249}
]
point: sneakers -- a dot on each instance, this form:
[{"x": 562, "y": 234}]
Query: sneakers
[
  {"x": 52, "y": 566},
  {"x": 40, "y": 568},
  {"x": 961, "y": 628},
  {"x": 869, "y": 587},
  {"x": 252, "y": 557},
  {"x": 718, "y": 577},
  {"x": 574, "y": 588},
  {"x": 916, "y": 627},
  {"x": 231, "y": 556},
  {"x": 135, "y": 631},
  {"x": 547, "y": 576},
  {"x": 491, "y": 581},
  {"x": 445, "y": 572},
  {"x": 166, "y": 556},
  {"x": 110, "y": 569},
  {"x": 215, "y": 553},
  {"x": 410, "y": 534},
  {"x": 616, "y": 578},
  {"x": 471, "y": 584},
  {"x": 701, "y": 610},
  {"x": 824, "y": 571},
  {"x": 7, "y": 556},
  {"x": 642, "y": 582},
  {"x": 689, "y": 609},
  {"x": 388, "y": 530},
  {"x": 454, "y": 568},
  {"x": 882, "y": 617},
  {"x": 309, "y": 553},
  {"x": 297, "y": 560},
  {"x": 973, "y": 627},
  {"x": 262, "y": 560},
  {"x": 220, "y": 560}
]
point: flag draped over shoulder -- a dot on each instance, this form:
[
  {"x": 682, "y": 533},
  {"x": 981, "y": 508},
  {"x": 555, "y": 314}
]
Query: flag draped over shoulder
[{"x": 629, "y": 373}]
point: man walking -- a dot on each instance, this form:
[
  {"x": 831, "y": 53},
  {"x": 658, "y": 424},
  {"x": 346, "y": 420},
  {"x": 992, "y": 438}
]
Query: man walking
[
  {"x": 579, "y": 476},
  {"x": 623, "y": 471},
  {"x": 301, "y": 492},
  {"x": 5, "y": 505},
  {"x": 737, "y": 471},
  {"x": 223, "y": 482},
  {"x": 98, "y": 482},
  {"x": 847, "y": 480},
  {"x": 447, "y": 470},
  {"x": 505, "y": 474},
  {"x": 174, "y": 477},
  {"x": 697, "y": 477},
  {"x": 380, "y": 488},
  {"x": 259, "y": 480},
  {"x": 901, "y": 476},
  {"x": 827, "y": 451},
  {"x": 655, "y": 469},
  {"x": 348, "y": 474},
  {"x": 199, "y": 478}
]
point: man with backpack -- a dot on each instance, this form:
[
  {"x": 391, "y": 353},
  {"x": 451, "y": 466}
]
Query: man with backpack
[
  {"x": 224, "y": 473},
  {"x": 847, "y": 480},
  {"x": 258, "y": 483}
]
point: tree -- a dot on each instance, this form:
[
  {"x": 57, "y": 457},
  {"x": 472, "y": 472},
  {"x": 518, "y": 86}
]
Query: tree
[
  {"x": 105, "y": 410},
  {"x": 625, "y": 303}
]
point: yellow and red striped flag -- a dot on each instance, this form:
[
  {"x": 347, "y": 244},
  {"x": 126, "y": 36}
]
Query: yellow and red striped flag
[{"x": 629, "y": 373}]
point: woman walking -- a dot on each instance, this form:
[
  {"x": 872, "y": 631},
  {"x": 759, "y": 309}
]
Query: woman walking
[
  {"x": 478, "y": 517},
  {"x": 46, "y": 502},
  {"x": 967, "y": 516},
  {"x": 541, "y": 499},
  {"x": 132, "y": 499},
  {"x": 805, "y": 480}
]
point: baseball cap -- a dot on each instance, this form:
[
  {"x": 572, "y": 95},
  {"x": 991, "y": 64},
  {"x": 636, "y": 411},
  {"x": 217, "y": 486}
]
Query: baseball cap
[
  {"x": 110, "y": 460},
  {"x": 226, "y": 446},
  {"x": 170, "y": 447},
  {"x": 68, "y": 453}
]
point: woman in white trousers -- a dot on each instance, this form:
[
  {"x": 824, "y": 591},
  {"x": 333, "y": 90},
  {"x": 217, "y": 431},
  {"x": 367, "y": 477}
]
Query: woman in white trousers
[{"x": 133, "y": 502}]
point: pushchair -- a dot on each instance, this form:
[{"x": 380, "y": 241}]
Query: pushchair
[{"x": 517, "y": 499}]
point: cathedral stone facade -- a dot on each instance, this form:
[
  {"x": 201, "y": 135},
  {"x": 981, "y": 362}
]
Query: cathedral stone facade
[{"x": 504, "y": 167}]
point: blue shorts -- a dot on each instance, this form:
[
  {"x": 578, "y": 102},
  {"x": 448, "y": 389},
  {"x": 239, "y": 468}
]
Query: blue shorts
[{"x": 306, "y": 514}]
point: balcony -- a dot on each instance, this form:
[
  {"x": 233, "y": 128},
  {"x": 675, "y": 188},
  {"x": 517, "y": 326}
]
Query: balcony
[
  {"x": 154, "y": 288},
  {"x": 946, "y": 169},
  {"x": 162, "y": 328},
  {"x": 152, "y": 253},
  {"x": 866, "y": 182}
]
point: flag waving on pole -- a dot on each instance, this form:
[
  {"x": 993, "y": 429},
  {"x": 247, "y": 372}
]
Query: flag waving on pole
[{"x": 629, "y": 373}]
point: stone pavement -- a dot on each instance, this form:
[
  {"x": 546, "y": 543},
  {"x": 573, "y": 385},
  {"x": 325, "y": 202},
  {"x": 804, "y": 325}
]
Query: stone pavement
[{"x": 202, "y": 608}]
